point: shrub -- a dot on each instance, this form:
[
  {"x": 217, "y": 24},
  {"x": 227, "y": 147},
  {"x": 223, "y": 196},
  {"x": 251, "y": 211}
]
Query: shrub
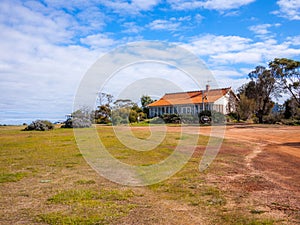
[
  {"x": 157, "y": 120},
  {"x": 171, "y": 118},
  {"x": 189, "y": 119},
  {"x": 77, "y": 123},
  {"x": 233, "y": 116},
  {"x": 40, "y": 125},
  {"x": 208, "y": 117},
  {"x": 218, "y": 118}
]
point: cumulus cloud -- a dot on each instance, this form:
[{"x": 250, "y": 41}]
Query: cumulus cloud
[
  {"x": 227, "y": 50},
  {"x": 223, "y": 53},
  {"x": 132, "y": 27},
  {"x": 289, "y": 9},
  {"x": 219, "y": 5},
  {"x": 40, "y": 66},
  {"x": 133, "y": 7},
  {"x": 98, "y": 41},
  {"x": 164, "y": 25},
  {"x": 262, "y": 30}
]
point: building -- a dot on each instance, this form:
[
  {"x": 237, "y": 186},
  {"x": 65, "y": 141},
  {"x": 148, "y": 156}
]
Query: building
[{"x": 193, "y": 102}]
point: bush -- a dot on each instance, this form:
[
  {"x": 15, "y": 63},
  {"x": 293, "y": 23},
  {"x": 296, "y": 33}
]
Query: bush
[
  {"x": 272, "y": 118},
  {"x": 218, "y": 118},
  {"x": 208, "y": 117},
  {"x": 171, "y": 118},
  {"x": 189, "y": 119},
  {"x": 77, "y": 123},
  {"x": 157, "y": 120},
  {"x": 40, "y": 125},
  {"x": 291, "y": 122},
  {"x": 233, "y": 116}
]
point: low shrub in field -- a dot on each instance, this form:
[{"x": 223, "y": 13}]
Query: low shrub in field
[
  {"x": 40, "y": 125},
  {"x": 77, "y": 123}
]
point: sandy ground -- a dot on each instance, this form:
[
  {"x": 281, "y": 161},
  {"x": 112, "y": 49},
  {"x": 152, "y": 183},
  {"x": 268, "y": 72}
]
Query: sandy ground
[
  {"x": 268, "y": 177},
  {"x": 274, "y": 160}
]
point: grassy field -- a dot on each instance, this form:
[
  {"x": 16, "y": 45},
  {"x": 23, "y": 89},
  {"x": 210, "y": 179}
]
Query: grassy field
[{"x": 44, "y": 179}]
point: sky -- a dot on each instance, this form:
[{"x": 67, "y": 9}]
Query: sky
[{"x": 47, "y": 47}]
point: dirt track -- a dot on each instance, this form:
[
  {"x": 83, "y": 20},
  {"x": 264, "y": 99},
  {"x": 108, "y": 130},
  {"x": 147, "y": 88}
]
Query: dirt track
[
  {"x": 268, "y": 176},
  {"x": 275, "y": 160}
]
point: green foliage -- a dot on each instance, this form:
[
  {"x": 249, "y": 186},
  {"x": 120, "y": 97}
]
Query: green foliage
[
  {"x": 171, "y": 118},
  {"x": 286, "y": 72},
  {"x": 218, "y": 118},
  {"x": 145, "y": 101},
  {"x": 125, "y": 111},
  {"x": 260, "y": 89},
  {"x": 189, "y": 119},
  {"x": 233, "y": 116},
  {"x": 157, "y": 120},
  {"x": 245, "y": 107},
  {"x": 272, "y": 118},
  {"x": 292, "y": 109},
  {"x": 40, "y": 125},
  {"x": 103, "y": 114}
]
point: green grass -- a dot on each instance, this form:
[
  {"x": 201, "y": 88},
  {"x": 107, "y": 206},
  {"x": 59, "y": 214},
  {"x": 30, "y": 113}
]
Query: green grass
[
  {"x": 237, "y": 218},
  {"x": 70, "y": 196},
  {"x": 76, "y": 194},
  {"x": 88, "y": 206},
  {"x": 11, "y": 177}
]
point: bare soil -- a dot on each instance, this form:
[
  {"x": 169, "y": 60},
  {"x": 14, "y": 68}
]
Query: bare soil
[{"x": 271, "y": 179}]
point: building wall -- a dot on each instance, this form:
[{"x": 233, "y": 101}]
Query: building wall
[{"x": 187, "y": 109}]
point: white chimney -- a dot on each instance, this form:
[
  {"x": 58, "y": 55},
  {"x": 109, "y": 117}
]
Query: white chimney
[{"x": 207, "y": 87}]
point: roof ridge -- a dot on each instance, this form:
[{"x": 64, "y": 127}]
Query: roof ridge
[{"x": 182, "y": 92}]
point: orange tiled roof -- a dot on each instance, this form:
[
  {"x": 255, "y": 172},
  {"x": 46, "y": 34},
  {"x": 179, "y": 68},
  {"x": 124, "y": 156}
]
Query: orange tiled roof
[{"x": 191, "y": 97}]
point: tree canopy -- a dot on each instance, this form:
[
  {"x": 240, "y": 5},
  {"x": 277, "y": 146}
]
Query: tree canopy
[{"x": 287, "y": 74}]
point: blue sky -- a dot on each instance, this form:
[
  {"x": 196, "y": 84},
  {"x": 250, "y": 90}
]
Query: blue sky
[{"x": 47, "y": 46}]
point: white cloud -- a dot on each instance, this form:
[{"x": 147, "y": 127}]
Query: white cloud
[
  {"x": 98, "y": 41},
  {"x": 198, "y": 18},
  {"x": 164, "y": 25},
  {"x": 212, "y": 44},
  {"x": 294, "y": 40},
  {"x": 262, "y": 30},
  {"x": 133, "y": 7},
  {"x": 40, "y": 68},
  {"x": 289, "y": 9},
  {"x": 219, "y": 5},
  {"x": 132, "y": 27},
  {"x": 226, "y": 4},
  {"x": 230, "y": 50}
]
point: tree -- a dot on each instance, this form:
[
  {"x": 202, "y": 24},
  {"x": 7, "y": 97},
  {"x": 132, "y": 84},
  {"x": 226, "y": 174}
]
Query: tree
[
  {"x": 260, "y": 89},
  {"x": 292, "y": 110},
  {"x": 287, "y": 74},
  {"x": 124, "y": 111},
  {"x": 145, "y": 101},
  {"x": 103, "y": 112},
  {"x": 245, "y": 107},
  {"x": 265, "y": 89}
]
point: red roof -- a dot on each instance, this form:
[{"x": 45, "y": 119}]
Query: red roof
[{"x": 191, "y": 97}]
